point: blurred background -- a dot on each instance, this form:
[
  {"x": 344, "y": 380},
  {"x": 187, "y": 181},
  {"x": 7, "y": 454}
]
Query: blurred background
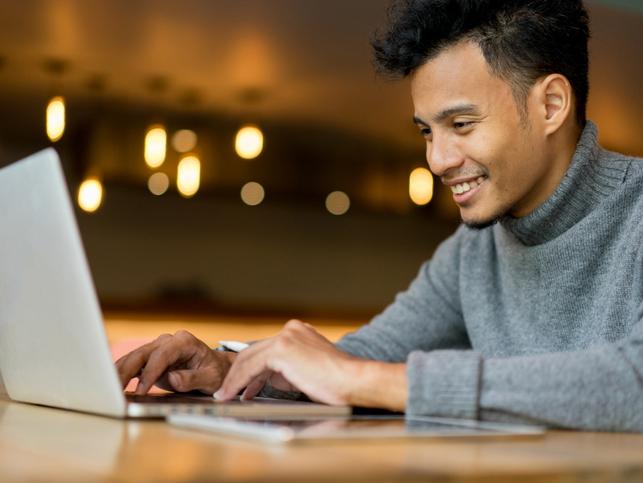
[{"x": 241, "y": 156}]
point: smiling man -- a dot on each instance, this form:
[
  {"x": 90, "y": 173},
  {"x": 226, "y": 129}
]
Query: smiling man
[
  {"x": 500, "y": 153},
  {"x": 533, "y": 309}
]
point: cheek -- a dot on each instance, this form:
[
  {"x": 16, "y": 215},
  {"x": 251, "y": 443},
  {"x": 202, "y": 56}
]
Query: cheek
[{"x": 515, "y": 168}]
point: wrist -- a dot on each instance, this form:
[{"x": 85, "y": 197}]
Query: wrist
[{"x": 377, "y": 384}]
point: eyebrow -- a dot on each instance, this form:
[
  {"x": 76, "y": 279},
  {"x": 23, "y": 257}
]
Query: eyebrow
[{"x": 449, "y": 112}]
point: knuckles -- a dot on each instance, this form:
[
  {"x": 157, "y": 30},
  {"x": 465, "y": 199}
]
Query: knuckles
[
  {"x": 183, "y": 335},
  {"x": 293, "y": 324},
  {"x": 163, "y": 338}
]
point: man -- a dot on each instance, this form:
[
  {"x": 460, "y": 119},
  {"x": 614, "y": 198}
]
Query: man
[{"x": 532, "y": 310}]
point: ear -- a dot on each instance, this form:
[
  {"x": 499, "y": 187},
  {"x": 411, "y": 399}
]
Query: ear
[{"x": 555, "y": 97}]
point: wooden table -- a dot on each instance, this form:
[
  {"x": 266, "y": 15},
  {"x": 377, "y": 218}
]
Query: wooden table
[{"x": 43, "y": 444}]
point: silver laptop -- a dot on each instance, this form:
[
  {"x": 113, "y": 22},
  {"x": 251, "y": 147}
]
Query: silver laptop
[{"x": 53, "y": 347}]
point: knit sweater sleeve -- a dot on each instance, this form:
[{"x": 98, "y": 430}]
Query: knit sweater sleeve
[
  {"x": 427, "y": 316},
  {"x": 596, "y": 388},
  {"x": 600, "y": 388}
]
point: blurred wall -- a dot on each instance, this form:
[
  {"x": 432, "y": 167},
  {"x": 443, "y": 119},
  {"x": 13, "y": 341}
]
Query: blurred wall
[{"x": 331, "y": 123}]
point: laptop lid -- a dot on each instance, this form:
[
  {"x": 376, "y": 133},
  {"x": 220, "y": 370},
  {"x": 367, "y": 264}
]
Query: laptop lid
[{"x": 53, "y": 347}]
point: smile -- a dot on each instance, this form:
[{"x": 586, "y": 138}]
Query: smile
[
  {"x": 463, "y": 192},
  {"x": 462, "y": 188}
]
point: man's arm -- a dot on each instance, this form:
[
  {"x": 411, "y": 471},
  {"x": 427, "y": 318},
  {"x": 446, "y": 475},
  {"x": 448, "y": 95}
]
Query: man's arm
[
  {"x": 427, "y": 316},
  {"x": 600, "y": 388},
  {"x": 365, "y": 368}
]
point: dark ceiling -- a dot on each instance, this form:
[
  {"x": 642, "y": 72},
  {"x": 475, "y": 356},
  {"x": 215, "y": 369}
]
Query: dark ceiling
[{"x": 302, "y": 61}]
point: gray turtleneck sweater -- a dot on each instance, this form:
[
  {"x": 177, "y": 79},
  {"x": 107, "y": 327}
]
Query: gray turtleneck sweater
[{"x": 535, "y": 319}]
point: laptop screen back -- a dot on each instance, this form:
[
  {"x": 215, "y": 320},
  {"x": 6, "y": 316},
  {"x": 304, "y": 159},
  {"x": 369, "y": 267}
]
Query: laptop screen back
[{"x": 53, "y": 348}]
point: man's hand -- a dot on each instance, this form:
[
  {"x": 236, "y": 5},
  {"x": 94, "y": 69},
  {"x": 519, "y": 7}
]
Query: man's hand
[
  {"x": 302, "y": 357},
  {"x": 178, "y": 362}
]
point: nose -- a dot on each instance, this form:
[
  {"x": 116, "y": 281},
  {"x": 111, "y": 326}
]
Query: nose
[{"x": 442, "y": 155}]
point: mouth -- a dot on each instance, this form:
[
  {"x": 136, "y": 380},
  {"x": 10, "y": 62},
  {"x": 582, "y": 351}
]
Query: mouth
[{"x": 465, "y": 191}]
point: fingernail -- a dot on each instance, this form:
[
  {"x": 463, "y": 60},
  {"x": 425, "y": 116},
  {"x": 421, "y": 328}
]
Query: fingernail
[{"x": 217, "y": 395}]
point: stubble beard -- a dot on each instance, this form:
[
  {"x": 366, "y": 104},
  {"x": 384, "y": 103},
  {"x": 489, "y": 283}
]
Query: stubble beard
[
  {"x": 481, "y": 225},
  {"x": 484, "y": 223}
]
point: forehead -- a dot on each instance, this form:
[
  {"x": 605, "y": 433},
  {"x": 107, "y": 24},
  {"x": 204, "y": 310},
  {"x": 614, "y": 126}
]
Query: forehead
[{"x": 458, "y": 75}]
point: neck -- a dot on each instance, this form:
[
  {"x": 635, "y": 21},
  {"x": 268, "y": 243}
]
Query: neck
[
  {"x": 560, "y": 149},
  {"x": 591, "y": 176}
]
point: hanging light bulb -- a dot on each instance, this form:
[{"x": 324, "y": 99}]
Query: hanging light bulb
[
  {"x": 155, "y": 146},
  {"x": 188, "y": 176},
  {"x": 90, "y": 195},
  {"x": 421, "y": 186},
  {"x": 248, "y": 142},
  {"x": 56, "y": 118}
]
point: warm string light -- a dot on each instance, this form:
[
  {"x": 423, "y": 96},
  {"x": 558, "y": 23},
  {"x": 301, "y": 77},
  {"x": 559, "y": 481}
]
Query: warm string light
[
  {"x": 338, "y": 203},
  {"x": 248, "y": 142},
  {"x": 252, "y": 193},
  {"x": 158, "y": 183},
  {"x": 90, "y": 195},
  {"x": 184, "y": 140},
  {"x": 55, "y": 118},
  {"x": 155, "y": 146},
  {"x": 421, "y": 186},
  {"x": 188, "y": 176}
]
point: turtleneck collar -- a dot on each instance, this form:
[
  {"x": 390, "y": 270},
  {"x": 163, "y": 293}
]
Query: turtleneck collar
[{"x": 589, "y": 178}]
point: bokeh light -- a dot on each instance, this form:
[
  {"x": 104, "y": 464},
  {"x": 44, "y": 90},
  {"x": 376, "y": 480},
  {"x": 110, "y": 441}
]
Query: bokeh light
[
  {"x": 421, "y": 186},
  {"x": 158, "y": 183},
  {"x": 90, "y": 195},
  {"x": 184, "y": 140},
  {"x": 188, "y": 176},
  {"x": 155, "y": 146},
  {"x": 252, "y": 193},
  {"x": 55, "y": 118},
  {"x": 248, "y": 142},
  {"x": 338, "y": 202}
]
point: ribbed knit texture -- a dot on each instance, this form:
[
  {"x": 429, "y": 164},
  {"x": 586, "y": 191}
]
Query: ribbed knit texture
[{"x": 535, "y": 319}]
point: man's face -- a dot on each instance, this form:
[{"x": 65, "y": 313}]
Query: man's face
[{"x": 493, "y": 160}]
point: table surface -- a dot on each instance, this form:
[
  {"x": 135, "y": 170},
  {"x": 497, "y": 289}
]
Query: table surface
[{"x": 45, "y": 444}]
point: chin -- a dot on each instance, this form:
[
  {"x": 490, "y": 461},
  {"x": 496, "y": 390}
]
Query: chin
[
  {"x": 480, "y": 225},
  {"x": 481, "y": 222}
]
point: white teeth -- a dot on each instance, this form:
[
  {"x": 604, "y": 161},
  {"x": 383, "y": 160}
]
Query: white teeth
[{"x": 468, "y": 186}]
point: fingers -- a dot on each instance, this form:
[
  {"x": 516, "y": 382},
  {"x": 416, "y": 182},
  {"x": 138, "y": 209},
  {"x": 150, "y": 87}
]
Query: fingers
[
  {"x": 207, "y": 380},
  {"x": 130, "y": 365},
  {"x": 158, "y": 362},
  {"x": 248, "y": 366},
  {"x": 299, "y": 357},
  {"x": 255, "y": 386},
  {"x": 151, "y": 361},
  {"x": 279, "y": 382},
  {"x": 254, "y": 365}
]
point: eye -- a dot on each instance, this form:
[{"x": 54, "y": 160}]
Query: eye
[
  {"x": 462, "y": 125},
  {"x": 425, "y": 131}
]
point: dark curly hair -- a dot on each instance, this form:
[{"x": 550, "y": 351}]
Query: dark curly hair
[{"x": 521, "y": 40}]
